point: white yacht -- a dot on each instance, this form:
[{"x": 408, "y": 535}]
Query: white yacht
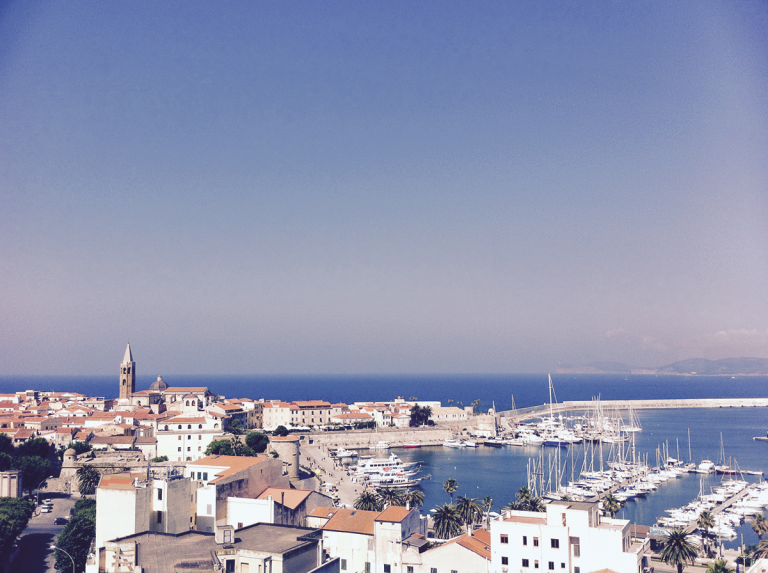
[{"x": 382, "y": 445}]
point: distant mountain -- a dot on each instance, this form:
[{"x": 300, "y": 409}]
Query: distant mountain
[{"x": 698, "y": 366}]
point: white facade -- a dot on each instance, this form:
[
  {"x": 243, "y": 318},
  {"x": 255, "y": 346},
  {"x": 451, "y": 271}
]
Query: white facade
[
  {"x": 185, "y": 439},
  {"x": 571, "y": 537}
]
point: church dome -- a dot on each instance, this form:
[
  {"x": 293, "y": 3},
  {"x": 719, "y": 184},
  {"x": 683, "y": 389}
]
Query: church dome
[
  {"x": 158, "y": 385},
  {"x": 70, "y": 452}
]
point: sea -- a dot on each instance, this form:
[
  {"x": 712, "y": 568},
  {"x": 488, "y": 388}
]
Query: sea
[{"x": 686, "y": 434}]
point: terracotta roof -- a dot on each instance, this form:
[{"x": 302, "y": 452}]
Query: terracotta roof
[
  {"x": 394, "y": 514},
  {"x": 146, "y": 440},
  {"x": 479, "y": 542},
  {"x": 326, "y": 512},
  {"x": 117, "y": 481},
  {"x": 229, "y": 464},
  {"x": 352, "y": 521},
  {"x": 111, "y": 440},
  {"x": 293, "y": 497}
]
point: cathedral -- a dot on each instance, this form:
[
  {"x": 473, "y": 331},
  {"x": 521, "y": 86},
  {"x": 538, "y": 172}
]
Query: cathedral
[{"x": 160, "y": 396}]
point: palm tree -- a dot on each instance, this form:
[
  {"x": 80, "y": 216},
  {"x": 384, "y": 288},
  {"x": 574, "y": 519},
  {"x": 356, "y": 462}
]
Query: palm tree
[
  {"x": 536, "y": 504},
  {"x": 760, "y": 525},
  {"x": 611, "y": 505},
  {"x": 88, "y": 478},
  {"x": 469, "y": 510},
  {"x": 476, "y": 405},
  {"x": 487, "y": 505},
  {"x": 414, "y": 497},
  {"x": 450, "y": 486},
  {"x": 678, "y": 549},
  {"x": 389, "y": 496},
  {"x": 706, "y": 522},
  {"x": 513, "y": 506},
  {"x": 446, "y": 521},
  {"x": 368, "y": 501},
  {"x": 762, "y": 550},
  {"x": 524, "y": 494},
  {"x": 719, "y": 566}
]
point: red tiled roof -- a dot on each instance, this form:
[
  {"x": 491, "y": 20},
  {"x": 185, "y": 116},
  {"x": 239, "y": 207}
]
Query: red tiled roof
[
  {"x": 394, "y": 514},
  {"x": 352, "y": 521},
  {"x": 293, "y": 497}
]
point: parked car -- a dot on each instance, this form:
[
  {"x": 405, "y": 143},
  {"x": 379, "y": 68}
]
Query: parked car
[
  {"x": 60, "y": 521},
  {"x": 46, "y": 509},
  {"x": 47, "y": 501}
]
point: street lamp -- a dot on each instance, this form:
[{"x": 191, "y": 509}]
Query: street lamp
[
  {"x": 46, "y": 478},
  {"x": 65, "y": 553}
]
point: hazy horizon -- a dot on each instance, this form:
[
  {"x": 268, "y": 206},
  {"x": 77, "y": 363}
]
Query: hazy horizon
[{"x": 358, "y": 187}]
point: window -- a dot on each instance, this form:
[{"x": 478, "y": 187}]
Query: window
[
  {"x": 525, "y": 563},
  {"x": 230, "y": 566},
  {"x": 536, "y": 564},
  {"x": 367, "y": 567},
  {"x": 433, "y": 570},
  {"x": 505, "y": 560},
  {"x": 179, "y": 438},
  {"x": 554, "y": 543},
  {"x": 205, "y": 476},
  {"x": 504, "y": 539},
  {"x": 525, "y": 540},
  {"x": 387, "y": 568},
  {"x": 409, "y": 569},
  {"x": 535, "y": 541},
  {"x": 159, "y": 516},
  {"x": 576, "y": 546},
  {"x": 179, "y": 448},
  {"x": 159, "y": 494},
  {"x": 199, "y": 475},
  {"x": 179, "y": 426},
  {"x": 343, "y": 564},
  {"x": 551, "y": 566},
  {"x": 189, "y": 449},
  {"x": 189, "y": 426},
  {"x": 245, "y": 568},
  {"x": 166, "y": 427},
  {"x": 199, "y": 437},
  {"x": 577, "y": 570},
  {"x": 200, "y": 426},
  {"x": 189, "y": 437},
  {"x": 562, "y": 566},
  {"x": 199, "y": 448}
]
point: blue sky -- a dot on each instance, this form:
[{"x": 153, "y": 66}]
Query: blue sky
[{"x": 391, "y": 187}]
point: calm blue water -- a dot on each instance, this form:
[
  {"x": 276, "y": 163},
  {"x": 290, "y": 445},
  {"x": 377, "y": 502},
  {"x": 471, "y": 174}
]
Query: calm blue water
[
  {"x": 501, "y": 472},
  {"x": 528, "y": 389}
]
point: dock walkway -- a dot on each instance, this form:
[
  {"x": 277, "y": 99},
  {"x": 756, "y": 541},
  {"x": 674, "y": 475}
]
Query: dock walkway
[
  {"x": 693, "y": 524},
  {"x": 522, "y": 414}
]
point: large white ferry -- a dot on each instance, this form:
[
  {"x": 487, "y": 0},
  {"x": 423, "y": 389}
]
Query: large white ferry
[{"x": 381, "y": 466}]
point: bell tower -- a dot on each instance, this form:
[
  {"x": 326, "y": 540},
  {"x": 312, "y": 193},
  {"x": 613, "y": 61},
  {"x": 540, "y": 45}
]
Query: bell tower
[{"x": 127, "y": 374}]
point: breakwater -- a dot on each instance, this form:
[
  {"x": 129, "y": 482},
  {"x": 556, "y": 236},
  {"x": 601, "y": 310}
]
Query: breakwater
[
  {"x": 522, "y": 414},
  {"x": 362, "y": 439}
]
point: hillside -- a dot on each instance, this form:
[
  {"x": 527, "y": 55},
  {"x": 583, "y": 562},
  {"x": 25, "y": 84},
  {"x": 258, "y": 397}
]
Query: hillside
[{"x": 698, "y": 366}]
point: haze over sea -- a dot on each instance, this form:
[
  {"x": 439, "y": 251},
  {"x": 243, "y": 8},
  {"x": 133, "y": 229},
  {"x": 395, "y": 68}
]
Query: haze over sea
[{"x": 501, "y": 472}]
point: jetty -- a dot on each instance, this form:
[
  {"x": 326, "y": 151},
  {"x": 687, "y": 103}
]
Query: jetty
[
  {"x": 694, "y": 523},
  {"x": 522, "y": 414}
]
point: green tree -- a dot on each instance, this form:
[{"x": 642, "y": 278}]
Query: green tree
[
  {"x": 389, "y": 496},
  {"x": 536, "y": 504},
  {"x": 414, "y": 498},
  {"x": 257, "y": 441},
  {"x": 36, "y": 447},
  {"x": 705, "y": 524},
  {"x": 761, "y": 551},
  {"x": 88, "y": 479},
  {"x": 760, "y": 525},
  {"x": 80, "y": 447},
  {"x": 6, "y": 461},
  {"x": 450, "y": 486},
  {"x": 14, "y": 516},
  {"x": 487, "y": 506},
  {"x": 160, "y": 459},
  {"x": 280, "y": 431},
  {"x": 446, "y": 521},
  {"x": 368, "y": 501},
  {"x": 611, "y": 505},
  {"x": 719, "y": 566},
  {"x": 678, "y": 550},
  {"x": 476, "y": 405},
  {"x": 469, "y": 510},
  {"x": 77, "y": 536},
  {"x": 34, "y": 470},
  {"x": 235, "y": 427},
  {"x": 6, "y": 445},
  {"x": 219, "y": 448}
]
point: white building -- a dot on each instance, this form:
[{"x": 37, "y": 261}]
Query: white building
[
  {"x": 185, "y": 438},
  {"x": 129, "y": 503},
  {"x": 571, "y": 537}
]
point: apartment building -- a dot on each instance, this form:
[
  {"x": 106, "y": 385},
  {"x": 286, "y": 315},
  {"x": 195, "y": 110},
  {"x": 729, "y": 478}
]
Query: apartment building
[{"x": 571, "y": 537}]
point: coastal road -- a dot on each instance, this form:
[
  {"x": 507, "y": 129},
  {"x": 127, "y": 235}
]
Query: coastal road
[{"x": 34, "y": 555}]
